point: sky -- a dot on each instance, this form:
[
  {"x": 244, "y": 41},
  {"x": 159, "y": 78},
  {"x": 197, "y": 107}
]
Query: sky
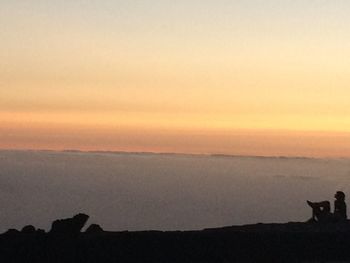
[{"x": 235, "y": 77}]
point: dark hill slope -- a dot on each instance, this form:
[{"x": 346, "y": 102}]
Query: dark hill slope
[{"x": 291, "y": 242}]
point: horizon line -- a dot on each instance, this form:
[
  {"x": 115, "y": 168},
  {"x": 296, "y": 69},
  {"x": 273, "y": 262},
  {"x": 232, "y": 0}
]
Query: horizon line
[{"x": 223, "y": 155}]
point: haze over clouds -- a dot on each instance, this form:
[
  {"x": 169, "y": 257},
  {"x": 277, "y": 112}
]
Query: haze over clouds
[{"x": 147, "y": 191}]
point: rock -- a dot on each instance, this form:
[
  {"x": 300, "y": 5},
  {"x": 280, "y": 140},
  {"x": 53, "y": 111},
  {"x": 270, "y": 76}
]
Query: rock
[
  {"x": 93, "y": 229},
  {"x": 11, "y": 231},
  {"x": 40, "y": 231},
  {"x": 29, "y": 229},
  {"x": 69, "y": 225}
]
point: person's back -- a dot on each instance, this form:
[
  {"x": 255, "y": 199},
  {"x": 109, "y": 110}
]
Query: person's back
[{"x": 340, "y": 206}]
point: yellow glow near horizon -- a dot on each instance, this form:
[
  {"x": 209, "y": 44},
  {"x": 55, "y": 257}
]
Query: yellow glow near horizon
[{"x": 132, "y": 72}]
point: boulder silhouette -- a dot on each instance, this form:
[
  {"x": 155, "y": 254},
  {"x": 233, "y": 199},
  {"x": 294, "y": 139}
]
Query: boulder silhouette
[
  {"x": 40, "y": 231},
  {"x": 29, "y": 229},
  {"x": 11, "y": 231},
  {"x": 93, "y": 229},
  {"x": 69, "y": 225}
]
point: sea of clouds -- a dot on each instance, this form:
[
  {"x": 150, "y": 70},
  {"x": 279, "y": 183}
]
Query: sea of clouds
[{"x": 130, "y": 191}]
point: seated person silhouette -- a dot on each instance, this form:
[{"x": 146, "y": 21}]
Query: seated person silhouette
[{"x": 321, "y": 211}]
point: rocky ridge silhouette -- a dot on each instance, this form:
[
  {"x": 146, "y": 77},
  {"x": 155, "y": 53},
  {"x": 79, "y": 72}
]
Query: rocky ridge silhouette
[{"x": 289, "y": 242}]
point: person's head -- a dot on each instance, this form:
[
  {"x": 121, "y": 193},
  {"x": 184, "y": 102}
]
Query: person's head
[{"x": 339, "y": 195}]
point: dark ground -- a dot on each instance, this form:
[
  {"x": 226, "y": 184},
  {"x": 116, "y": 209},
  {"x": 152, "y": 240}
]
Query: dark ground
[{"x": 291, "y": 242}]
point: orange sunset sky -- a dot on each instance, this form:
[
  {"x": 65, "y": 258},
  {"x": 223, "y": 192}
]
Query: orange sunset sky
[{"x": 235, "y": 77}]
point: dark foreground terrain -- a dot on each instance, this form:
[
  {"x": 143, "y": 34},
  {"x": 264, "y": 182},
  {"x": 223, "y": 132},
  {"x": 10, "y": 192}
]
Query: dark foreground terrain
[{"x": 291, "y": 242}]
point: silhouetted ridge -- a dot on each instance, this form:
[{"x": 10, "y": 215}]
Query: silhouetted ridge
[{"x": 290, "y": 242}]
